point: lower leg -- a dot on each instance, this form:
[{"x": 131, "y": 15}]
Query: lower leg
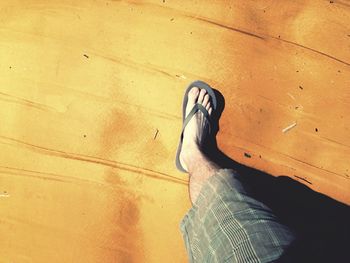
[{"x": 200, "y": 169}]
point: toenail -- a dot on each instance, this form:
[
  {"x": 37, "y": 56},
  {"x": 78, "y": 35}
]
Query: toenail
[
  {"x": 202, "y": 93},
  {"x": 194, "y": 90}
]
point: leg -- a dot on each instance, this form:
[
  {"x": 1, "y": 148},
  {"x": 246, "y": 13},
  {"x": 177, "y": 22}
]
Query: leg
[
  {"x": 225, "y": 223},
  {"x": 200, "y": 168}
]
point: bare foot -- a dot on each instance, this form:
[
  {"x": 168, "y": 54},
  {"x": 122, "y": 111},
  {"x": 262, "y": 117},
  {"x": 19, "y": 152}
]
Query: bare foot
[{"x": 197, "y": 129}]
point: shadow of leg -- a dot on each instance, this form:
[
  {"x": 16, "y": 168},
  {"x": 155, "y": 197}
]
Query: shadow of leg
[{"x": 321, "y": 224}]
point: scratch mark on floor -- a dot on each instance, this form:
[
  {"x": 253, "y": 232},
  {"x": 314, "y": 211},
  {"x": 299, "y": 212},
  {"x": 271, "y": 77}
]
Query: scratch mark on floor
[
  {"x": 228, "y": 27},
  {"x": 92, "y": 159},
  {"x": 24, "y": 102},
  {"x": 132, "y": 64},
  {"x": 62, "y": 178},
  {"x": 303, "y": 179},
  {"x": 269, "y": 36},
  {"x": 312, "y": 49}
]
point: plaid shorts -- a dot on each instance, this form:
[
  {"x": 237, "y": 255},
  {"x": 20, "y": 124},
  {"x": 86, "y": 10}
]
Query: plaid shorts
[{"x": 227, "y": 225}]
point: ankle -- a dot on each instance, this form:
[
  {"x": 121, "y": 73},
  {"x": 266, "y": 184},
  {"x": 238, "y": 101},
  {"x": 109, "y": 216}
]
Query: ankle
[{"x": 190, "y": 153}]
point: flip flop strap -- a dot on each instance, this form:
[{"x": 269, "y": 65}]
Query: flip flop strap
[{"x": 197, "y": 107}]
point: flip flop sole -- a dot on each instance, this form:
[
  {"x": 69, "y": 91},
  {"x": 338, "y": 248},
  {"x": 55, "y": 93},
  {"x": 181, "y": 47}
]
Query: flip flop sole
[{"x": 201, "y": 85}]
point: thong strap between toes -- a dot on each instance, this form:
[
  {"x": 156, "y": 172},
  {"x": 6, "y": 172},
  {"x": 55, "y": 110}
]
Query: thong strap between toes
[{"x": 197, "y": 107}]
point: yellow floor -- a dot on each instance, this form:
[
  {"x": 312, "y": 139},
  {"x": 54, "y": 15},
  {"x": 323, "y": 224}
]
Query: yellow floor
[{"x": 91, "y": 94}]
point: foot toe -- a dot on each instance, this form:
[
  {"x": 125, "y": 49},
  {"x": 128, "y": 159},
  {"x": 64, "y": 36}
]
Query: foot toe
[
  {"x": 201, "y": 96},
  {"x": 208, "y": 106},
  {"x": 206, "y": 100},
  {"x": 192, "y": 99},
  {"x": 193, "y": 94}
]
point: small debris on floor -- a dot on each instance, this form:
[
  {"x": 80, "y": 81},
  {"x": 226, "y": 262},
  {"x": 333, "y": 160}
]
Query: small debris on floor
[
  {"x": 300, "y": 87},
  {"x": 4, "y": 194},
  {"x": 181, "y": 76},
  {"x": 289, "y": 127},
  {"x": 290, "y": 95},
  {"x": 247, "y": 155},
  {"x": 316, "y": 130},
  {"x": 156, "y": 134},
  {"x": 86, "y": 56}
]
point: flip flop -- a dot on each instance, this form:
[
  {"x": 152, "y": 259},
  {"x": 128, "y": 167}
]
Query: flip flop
[{"x": 197, "y": 107}]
